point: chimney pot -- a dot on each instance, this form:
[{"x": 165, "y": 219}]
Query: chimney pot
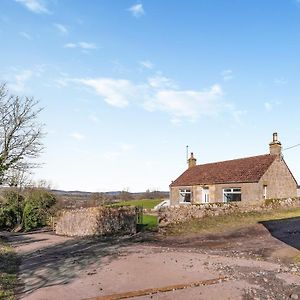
[
  {"x": 275, "y": 145},
  {"x": 192, "y": 161}
]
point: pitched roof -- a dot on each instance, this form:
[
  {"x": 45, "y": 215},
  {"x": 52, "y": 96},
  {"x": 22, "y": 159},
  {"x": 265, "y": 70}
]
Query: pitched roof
[{"x": 249, "y": 169}]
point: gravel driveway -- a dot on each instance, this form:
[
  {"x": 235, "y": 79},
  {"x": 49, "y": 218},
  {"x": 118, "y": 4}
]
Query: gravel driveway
[{"x": 245, "y": 264}]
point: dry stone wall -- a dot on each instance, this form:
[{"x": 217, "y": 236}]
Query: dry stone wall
[
  {"x": 97, "y": 221},
  {"x": 179, "y": 214}
]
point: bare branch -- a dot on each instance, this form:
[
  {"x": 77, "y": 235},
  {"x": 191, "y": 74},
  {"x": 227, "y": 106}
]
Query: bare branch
[{"x": 20, "y": 132}]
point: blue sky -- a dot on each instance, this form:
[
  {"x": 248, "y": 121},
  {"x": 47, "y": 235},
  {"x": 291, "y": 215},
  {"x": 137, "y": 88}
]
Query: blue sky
[{"x": 127, "y": 85}]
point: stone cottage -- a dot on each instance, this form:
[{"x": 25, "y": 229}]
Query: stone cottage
[{"x": 246, "y": 179}]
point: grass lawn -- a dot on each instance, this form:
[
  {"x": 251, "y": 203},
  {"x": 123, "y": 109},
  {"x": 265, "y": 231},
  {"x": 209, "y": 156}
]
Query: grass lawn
[
  {"x": 232, "y": 221},
  {"x": 146, "y": 203},
  {"x": 150, "y": 221},
  {"x": 8, "y": 271}
]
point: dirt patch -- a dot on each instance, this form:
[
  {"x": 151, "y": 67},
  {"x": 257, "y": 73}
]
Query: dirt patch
[{"x": 254, "y": 241}]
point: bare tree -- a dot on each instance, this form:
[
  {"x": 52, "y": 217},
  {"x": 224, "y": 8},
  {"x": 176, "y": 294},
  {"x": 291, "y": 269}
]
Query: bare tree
[
  {"x": 20, "y": 133},
  {"x": 18, "y": 178}
]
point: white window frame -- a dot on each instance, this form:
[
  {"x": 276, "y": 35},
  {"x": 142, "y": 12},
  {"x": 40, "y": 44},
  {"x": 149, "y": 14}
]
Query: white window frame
[
  {"x": 231, "y": 190},
  {"x": 182, "y": 193},
  {"x": 265, "y": 186},
  {"x": 205, "y": 192}
]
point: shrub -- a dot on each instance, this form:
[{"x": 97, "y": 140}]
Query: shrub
[
  {"x": 11, "y": 209},
  {"x": 38, "y": 208}
]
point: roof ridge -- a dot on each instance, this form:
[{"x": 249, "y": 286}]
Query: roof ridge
[
  {"x": 235, "y": 159},
  {"x": 246, "y": 169}
]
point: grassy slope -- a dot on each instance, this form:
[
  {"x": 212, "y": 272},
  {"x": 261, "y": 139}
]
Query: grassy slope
[
  {"x": 232, "y": 221},
  {"x": 8, "y": 271},
  {"x": 146, "y": 203}
]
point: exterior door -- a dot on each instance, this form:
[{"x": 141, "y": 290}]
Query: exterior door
[{"x": 205, "y": 195}]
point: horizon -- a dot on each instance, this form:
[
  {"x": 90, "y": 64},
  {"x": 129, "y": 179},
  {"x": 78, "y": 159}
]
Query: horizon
[{"x": 126, "y": 85}]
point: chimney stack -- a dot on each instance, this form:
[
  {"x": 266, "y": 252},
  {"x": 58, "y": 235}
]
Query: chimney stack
[
  {"x": 192, "y": 161},
  {"x": 275, "y": 145}
]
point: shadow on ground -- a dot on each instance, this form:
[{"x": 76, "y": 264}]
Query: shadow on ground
[
  {"x": 249, "y": 241},
  {"x": 60, "y": 263},
  {"x": 285, "y": 230}
]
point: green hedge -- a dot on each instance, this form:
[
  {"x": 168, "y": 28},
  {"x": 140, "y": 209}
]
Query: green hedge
[{"x": 29, "y": 210}]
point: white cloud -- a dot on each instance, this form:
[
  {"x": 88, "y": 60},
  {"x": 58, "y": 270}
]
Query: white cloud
[
  {"x": 20, "y": 80},
  {"x": 126, "y": 147},
  {"x": 160, "y": 82},
  {"x": 81, "y": 45},
  {"x": 116, "y": 92},
  {"x": 147, "y": 64},
  {"x": 270, "y": 105},
  {"x": 227, "y": 75},
  {"x": 87, "y": 46},
  {"x": 36, "y": 6},
  {"x": 77, "y": 136},
  {"x": 281, "y": 80},
  {"x": 25, "y": 35},
  {"x": 137, "y": 10},
  {"x": 70, "y": 45},
  {"x": 61, "y": 82},
  {"x": 187, "y": 103},
  {"x": 61, "y": 28},
  {"x": 159, "y": 93}
]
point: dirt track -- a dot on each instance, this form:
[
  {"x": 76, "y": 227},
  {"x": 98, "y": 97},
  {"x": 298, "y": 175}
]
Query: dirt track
[{"x": 256, "y": 264}]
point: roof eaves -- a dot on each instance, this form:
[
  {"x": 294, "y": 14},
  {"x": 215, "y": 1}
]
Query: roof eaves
[{"x": 214, "y": 183}]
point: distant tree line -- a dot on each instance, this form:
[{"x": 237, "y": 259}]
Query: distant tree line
[{"x": 71, "y": 200}]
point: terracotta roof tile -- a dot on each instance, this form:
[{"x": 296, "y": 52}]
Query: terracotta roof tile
[{"x": 249, "y": 169}]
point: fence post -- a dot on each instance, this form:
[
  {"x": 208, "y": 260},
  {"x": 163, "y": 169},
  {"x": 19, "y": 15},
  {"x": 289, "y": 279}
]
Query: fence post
[{"x": 139, "y": 217}]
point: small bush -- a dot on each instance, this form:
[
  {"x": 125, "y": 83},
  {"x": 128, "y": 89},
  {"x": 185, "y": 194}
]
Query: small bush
[
  {"x": 11, "y": 209},
  {"x": 38, "y": 208}
]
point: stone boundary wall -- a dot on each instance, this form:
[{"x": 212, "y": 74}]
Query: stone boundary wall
[
  {"x": 96, "y": 221},
  {"x": 179, "y": 214}
]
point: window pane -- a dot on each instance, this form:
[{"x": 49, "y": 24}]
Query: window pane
[
  {"x": 185, "y": 195},
  {"x": 236, "y": 197},
  {"x": 232, "y": 195},
  {"x": 227, "y": 197},
  {"x": 187, "y": 198}
]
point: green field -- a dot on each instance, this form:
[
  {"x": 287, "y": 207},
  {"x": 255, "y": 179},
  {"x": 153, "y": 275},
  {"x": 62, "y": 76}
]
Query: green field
[
  {"x": 146, "y": 203},
  {"x": 150, "y": 222}
]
